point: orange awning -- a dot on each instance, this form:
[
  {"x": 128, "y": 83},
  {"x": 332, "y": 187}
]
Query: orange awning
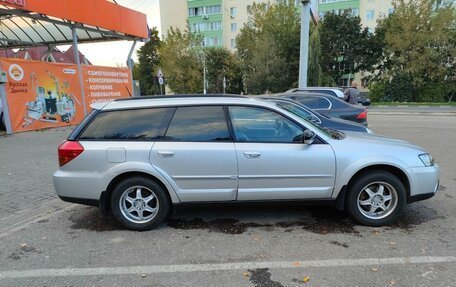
[{"x": 97, "y": 13}]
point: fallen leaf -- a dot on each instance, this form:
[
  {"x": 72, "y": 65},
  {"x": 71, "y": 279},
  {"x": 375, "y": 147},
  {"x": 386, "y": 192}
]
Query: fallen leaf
[
  {"x": 392, "y": 243},
  {"x": 297, "y": 264},
  {"x": 143, "y": 275},
  {"x": 246, "y": 274},
  {"x": 256, "y": 238},
  {"x": 376, "y": 232},
  {"x": 306, "y": 279},
  {"x": 374, "y": 269},
  {"x": 392, "y": 283}
]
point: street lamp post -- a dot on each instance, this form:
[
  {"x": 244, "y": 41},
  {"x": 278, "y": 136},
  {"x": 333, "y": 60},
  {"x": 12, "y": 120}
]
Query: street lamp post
[
  {"x": 204, "y": 71},
  {"x": 304, "y": 50}
]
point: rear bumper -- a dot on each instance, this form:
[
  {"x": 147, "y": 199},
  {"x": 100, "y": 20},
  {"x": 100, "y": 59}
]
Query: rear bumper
[
  {"x": 81, "y": 185},
  {"x": 85, "y": 201}
]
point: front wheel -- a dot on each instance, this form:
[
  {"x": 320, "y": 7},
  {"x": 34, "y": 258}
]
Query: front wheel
[
  {"x": 139, "y": 203},
  {"x": 376, "y": 198}
]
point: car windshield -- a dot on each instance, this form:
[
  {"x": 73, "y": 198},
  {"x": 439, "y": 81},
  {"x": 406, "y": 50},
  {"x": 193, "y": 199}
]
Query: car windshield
[{"x": 300, "y": 112}]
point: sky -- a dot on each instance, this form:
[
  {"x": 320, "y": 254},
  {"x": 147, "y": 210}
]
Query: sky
[{"x": 116, "y": 53}]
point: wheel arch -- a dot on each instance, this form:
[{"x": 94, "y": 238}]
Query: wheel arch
[
  {"x": 400, "y": 174},
  {"x": 106, "y": 195}
]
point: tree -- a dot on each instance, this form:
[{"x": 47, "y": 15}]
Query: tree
[
  {"x": 146, "y": 69},
  {"x": 420, "y": 44},
  {"x": 345, "y": 46},
  {"x": 268, "y": 46},
  {"x": 314, "y": 72},
  {"x": 221, "y": 63},
  {"x": 180, "y": 58}
]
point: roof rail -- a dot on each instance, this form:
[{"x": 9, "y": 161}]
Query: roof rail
[{"x": 182, "y": 96}]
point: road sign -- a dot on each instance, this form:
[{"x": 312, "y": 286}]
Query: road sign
[
  {"x": 159, "y": 73},
  {"x": 160, "y": 80}
]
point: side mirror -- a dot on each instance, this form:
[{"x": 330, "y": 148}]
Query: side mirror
[{"x": 308, "y": 137}]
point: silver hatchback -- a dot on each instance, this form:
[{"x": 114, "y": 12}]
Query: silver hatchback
[{"x": 140, "y": 156}]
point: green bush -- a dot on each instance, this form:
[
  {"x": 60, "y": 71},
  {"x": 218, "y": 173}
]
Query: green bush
[
  {"x": 432, "y": 92},
  {"x": 377, "y": 91},
  {"x": 400, "y": 89}
]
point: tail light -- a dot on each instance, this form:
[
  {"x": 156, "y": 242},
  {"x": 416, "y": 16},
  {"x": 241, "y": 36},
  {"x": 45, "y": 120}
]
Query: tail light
[
  {"x": 69, "y": 150},
  {"x": 362, "y": 115}
]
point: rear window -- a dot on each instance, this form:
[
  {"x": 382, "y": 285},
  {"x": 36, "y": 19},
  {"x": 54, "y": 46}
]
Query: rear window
[{"x": 142, "y": 124}]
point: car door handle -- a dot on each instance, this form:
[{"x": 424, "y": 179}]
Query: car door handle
[
  {"x": 166, "y": 153},
  {"x": 251, "y": 154}
]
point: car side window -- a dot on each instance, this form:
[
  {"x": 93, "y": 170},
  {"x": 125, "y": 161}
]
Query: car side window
[
  {"x": 139, "y": 124},
  {"x": 310, "y": 102},
  {"x": 251, "y": 124},
  {"x": 198, "y": 124},
  {"x": 324, "y": 103}
]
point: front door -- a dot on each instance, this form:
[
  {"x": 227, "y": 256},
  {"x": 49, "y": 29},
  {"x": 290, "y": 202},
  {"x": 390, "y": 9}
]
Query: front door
[{"x": 273, "y": 162}]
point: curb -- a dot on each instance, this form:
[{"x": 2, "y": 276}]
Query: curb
[{"x": 405, "y": 113}]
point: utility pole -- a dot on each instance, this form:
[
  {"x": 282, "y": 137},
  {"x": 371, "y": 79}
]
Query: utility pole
[
  {"x": 204, "y": 71},
  {"x": 304, "y": 51}
]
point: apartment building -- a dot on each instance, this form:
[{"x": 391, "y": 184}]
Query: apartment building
[
  {"x": 338, "y": 6},
  {"x": 219, "y": 21},
  {"x": 368, "y": 10},
  {"x": 173, "y": 13},
  {"x": 372, "y": 10}
]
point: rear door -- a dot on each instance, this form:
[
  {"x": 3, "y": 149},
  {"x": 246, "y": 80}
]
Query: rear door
[
  {"x": 197, "y": 155},
  {"x": 272, "y": 160}
]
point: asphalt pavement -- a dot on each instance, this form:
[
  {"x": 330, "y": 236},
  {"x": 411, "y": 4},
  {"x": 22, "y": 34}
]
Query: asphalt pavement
[{"x": 45, "y": 242}]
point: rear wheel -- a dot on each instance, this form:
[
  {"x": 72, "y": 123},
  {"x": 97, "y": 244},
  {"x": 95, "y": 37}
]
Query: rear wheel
[
  {"x": 376, "y": 198},
  {"x": 139, "y": 203}
]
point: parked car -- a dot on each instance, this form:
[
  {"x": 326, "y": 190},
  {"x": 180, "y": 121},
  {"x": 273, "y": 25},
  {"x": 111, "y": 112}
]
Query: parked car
[
  {"x": 316, "y": 118},
  {"x": 139, "y": 156},
  {"x": 332, "y": 91},
  {"x": 330, "y": 106}
]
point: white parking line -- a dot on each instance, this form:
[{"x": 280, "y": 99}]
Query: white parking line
[{"x": 154, "y": 269}]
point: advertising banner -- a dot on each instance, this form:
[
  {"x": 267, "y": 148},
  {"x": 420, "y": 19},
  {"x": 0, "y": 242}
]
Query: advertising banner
[
  {"x": 45, "y": 95},
  {"x": 42, "y": 95},
  {"x": 105, "y": 84}
]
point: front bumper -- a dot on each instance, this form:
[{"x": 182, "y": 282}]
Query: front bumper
[{"x": 424, "y": 182}]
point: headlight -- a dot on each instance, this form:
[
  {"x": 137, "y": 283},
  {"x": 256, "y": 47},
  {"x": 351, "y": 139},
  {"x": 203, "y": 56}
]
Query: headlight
[{"x": 426, "y": 159}]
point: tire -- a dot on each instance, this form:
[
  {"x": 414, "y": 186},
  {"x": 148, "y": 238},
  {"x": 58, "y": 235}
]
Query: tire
[
  {"x": 139, "y": 211},
  {"x": 376, "y": 198}
]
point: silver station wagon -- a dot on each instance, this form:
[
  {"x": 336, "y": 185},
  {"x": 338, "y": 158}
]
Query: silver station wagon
[{"x": 138, "y": 157}]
